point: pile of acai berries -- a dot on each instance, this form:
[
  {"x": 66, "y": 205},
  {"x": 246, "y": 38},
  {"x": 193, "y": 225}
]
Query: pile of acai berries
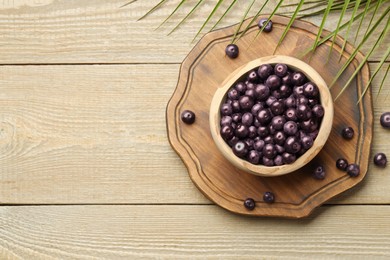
[{"x": 272, "y": 116}]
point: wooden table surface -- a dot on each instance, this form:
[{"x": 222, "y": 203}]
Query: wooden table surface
[{"x": 86, "y": 168}]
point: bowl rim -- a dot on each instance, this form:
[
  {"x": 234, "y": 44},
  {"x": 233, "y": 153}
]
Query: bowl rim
[{"x": 319, "y": 142}]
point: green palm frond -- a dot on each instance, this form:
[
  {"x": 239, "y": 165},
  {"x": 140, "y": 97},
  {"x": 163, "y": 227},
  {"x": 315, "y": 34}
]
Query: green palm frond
[
  {"x": 360, "y": 11},
  {"x": 243, "y": 19},
  {"x": 293, "y": 17},
  {"x": 338, "y": 27}
]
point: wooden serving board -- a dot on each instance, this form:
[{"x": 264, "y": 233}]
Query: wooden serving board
[{"x": 297, "y": 193}]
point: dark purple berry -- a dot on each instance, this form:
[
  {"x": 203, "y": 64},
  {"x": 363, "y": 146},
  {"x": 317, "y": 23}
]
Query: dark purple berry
[
  {"x": 262, "y": 92},
  {"x": 259, "y": 145},
  {"x": 268, "y": 27},
  {"x": 301, "y": 99},
  {"x": 288, "y": 158},
  {"x": 264, "y": 116},
  {"x": 250, "y": 93},
  {"x": 277, "y": 107},
  {"x": 254, "y": 157},
  {"x": 253, "y": 77},
  {"x": 318, "y": 111},
  {"x": 246, "y": 103},
  {"x": 273, "y": 82},
  {"x": 319, "y": 173},
  {"x": 303, "y": 112},
  {"x": 236, "y": 106},
  {"x": 249, "y": 204},
  {"x": 278, "y": 122},
  {"x": 240, "y": 149},
  {"x": 249, "y": 142},
  {"x": 285, "y": 91},
  {"x": 256, "y": 108},
  {"x": 268, "y": 140},
  {"x": 380, "y": 160},
  {"x": 348, "y": 133},
  {"x": 280, "y": 70},
  {"x": 226, "y": 120},
  {"x": 233, "y": 141},
  {"x": 268, "y": 162},
  {"x": 232, "y": 51},
  {"x": 240, "y": 87},
  {"x": 250, "y": 85},
  {"x": 309, "y": 125},
  {"x": 252, "y": 131},
  {"x": 279, "y": 149},
  {"x": 227, "y": 132},
  {"x": 188, "y": 117},
  {"x": 287, "y": 80},
  {"x": 233, "y": 94},
  {"x": 279, "y": 138},
  {"x": 291, "y": 114},
  {"x": 226, "y": 109},
  {"x": 342, "y": 164},
  {"x": 268, "y": 197},
  {"x": 385, "y": 120},
  {"x": 353, "y": 170},
  {"x": 312, "y": 102},
  {"x": 298, "y": 78},
  {"x": 269, "y": 151},
  {"x": 247, "y": 119},
  {"x": 290, "y": 102},
  {"x": 264, "y": 71},
  {"x": 307, "y": 142},
  {"x": 236, "y": 117},
  {"x": 298, "y": 91},
  {"x": 278, "y": 160},
  {"x": 262, "y": 131},
  {"x": 310, "y": 90},
  {"x": 290, "y": 128},
  {"x": 241, "y": 131},
  {"x": 270, "y": 100},
  {"x": 292, "y": 145}
]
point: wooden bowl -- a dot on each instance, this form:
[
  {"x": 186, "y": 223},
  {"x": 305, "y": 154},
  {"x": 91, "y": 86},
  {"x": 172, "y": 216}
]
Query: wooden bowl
[{"x": 324, "y": 131}]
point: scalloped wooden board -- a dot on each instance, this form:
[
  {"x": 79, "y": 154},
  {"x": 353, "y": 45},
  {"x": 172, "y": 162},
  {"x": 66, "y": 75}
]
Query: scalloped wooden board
[{"x": 297, "y": 193}]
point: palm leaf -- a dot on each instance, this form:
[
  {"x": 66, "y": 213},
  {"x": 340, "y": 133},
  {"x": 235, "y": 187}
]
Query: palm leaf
[
  {"x": 224, "y": 14},
  {"x": 338, "y": 27},
  {"x": 383, "y": 80},
  {"x": 253, "y": 19},
  {"x": 208, "y": 18},
  {"x": 384, "y": 58},
  {"x": 292, "y": 19},
  {"x": 381, "y": 37},
  {"x": 331, "y": 34},
  {"x": 362, "y": 19},
  {"x": 353, "y": 54},
  {"x": 153, "y": 9},
  {"x": 357, "y": 4},
  {"x": 173, "y": 12},
  {"x": 373, "y": 15},
  {"x": 269, "y": 18},
  {"x": 129, "y": 3},
  {"x": 186, "y": 17},
  {"x": 326, "y": 13},
  {"x": 242, "y": 20}
]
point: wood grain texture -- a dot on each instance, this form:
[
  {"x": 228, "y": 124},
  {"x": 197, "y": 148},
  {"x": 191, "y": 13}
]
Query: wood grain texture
[
  {"x": 196, "y": 232},
  {"x": 99, "y": 31},
  {"x": 88, "y": 134},
  {"x": 205, "y": 71},
  {"x": 94, "y": 147}
]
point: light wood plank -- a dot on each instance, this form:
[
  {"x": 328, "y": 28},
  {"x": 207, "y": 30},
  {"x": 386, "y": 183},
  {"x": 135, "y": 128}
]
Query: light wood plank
[
  {"x": 171, "y": 232},
  {"x": 99, "y": 31},
  {"x": 97, "y": 134}
]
